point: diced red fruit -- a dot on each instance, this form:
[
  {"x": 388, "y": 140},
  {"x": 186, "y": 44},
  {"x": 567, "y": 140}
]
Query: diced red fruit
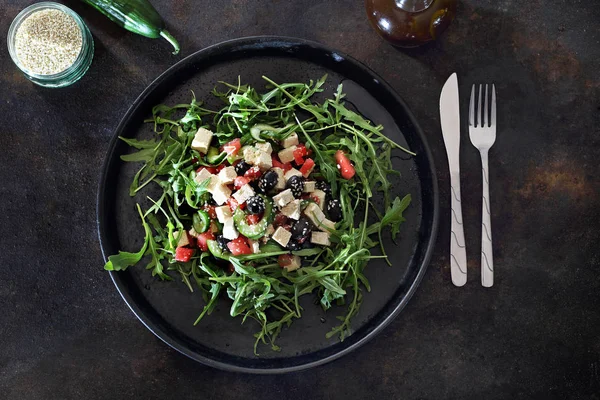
[
  {"x": 253, "y": 173},
  {"x": 233, "y": 147},
  {"x": 220, "y": 167},
  {"x": 278, "y": 164},
  {"x": 240, "y": 181},
  {"x": 279, "y": 220},
  {"x": 307, "y": 167},
  {"x": 203, "y": 238},
  {"x": 194, "y": 160},
  {"x": 239, "y": 246},
  {"x": 210, "y": 210},
  {"x": 234, "y": 205},
  {"x": 284, "y": 260},
  {"x": 212, "y": 170},
  {"x": 253, "y": 219},
  {"x": 300, "y": 153},
  {"x": 183, "y": 254},
  {"x": 344, "y": 165}
]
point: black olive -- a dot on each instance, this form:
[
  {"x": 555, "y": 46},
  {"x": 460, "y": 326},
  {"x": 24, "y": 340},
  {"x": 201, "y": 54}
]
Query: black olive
[
  {"x": 301, "y": 229},
  {"x": 324, "y": 186},
  {"x": 222, "y": 242},
  {"x": 296, "y": 184},
  {"x": 268, "y": 181},
  {"x": 294, "y": 245},
  {"x": 334, "y": 210},
  {"x": 242, "y": 167},
  {"x": 255, "y": 205}
]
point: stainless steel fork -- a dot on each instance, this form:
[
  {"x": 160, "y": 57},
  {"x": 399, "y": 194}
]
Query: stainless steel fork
[{"x": 483, "y": 137}]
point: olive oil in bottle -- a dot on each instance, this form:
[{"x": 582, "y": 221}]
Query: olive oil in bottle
[{"x": 410, "y": 23}]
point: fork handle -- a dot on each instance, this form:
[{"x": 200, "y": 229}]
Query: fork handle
[
  {"x": 487, "y": 255},
  {"x": 458, "y": 251}
]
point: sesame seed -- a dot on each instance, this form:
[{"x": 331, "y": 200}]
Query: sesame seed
[{"x": 48, "y": 42}]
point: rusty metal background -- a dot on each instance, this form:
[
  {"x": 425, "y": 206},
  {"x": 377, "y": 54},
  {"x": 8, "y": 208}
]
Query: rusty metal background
[{"x": 534, "y": 335}]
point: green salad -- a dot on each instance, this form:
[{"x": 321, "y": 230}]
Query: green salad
[{"x": 265, "y": 200}]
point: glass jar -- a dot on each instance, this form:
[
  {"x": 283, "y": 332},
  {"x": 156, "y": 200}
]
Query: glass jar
[
  {"x": 74, "y": 72},
  {"x": 410, "y": 23}
]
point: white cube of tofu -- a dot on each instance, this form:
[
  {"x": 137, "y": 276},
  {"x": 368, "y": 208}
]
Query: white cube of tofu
[
  {"x": 202, "y": 176},
  {"x": 291, "y": 140},
  {"x": 223, "y": 213},
  {"x": 220, "y": 192},
  {"x": 310, "y": 186},
  {"x": 264, "y": 147},
  {"x": 292, "y": 210},
  {"x": 320, "y": 238},
  {"x": 287, "y": 155},
  {"x": 280, "y": 178},
  {"x": 183, "y": 239},
  {"x": 283, "y": 198},
  {"x": 320, "y": 196},
  {"x": 227, "y": 175},
  {"x": 242, "y": 195},
  {"x": 315, "y": 214},
  {"x": 254, "y": 245},
  {"x": 292, "y": 172},
  {"x": 263, "y": 161},
  {"x": 282, "y": 236},
  {"x": 229, "y": 231},
  {"x": 250, "y": 154},
  {"x": 295, "y": 263},
  {"x": 202, "y": 140}
]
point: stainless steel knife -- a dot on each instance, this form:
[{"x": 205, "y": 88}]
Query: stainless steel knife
[{"x": 450, "y": 118}]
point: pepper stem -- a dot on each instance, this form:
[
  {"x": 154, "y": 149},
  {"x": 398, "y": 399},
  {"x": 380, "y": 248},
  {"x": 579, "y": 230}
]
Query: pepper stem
[{"x": 171, "y": 40}]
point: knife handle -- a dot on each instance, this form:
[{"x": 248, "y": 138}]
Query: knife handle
[{"x": 458, "y": 251}]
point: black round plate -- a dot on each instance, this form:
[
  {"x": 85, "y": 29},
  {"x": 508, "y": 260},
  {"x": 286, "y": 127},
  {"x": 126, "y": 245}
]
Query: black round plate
[{"x": 169, "y": 309}]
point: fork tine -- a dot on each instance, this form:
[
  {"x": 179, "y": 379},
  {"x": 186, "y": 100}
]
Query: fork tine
[
  {"x": 485, "y": 109},
  {"x": 472, "y": 107},
  {"x": 479, "y": 108},
  {"x": 493, "y": 105}
]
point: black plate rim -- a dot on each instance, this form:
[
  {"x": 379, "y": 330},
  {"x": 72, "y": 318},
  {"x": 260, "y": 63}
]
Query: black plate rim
[{"x": 164, "y": 336}]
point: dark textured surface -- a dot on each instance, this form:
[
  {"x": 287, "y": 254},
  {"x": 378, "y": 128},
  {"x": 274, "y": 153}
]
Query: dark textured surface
[{"x": 66, "y": 334}]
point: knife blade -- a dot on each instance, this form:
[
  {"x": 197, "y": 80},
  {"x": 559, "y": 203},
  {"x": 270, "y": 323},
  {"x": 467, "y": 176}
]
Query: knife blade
[{"x": 450, "y": 121}]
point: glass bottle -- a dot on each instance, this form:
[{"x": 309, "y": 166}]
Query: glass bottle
[{"x": 410, "y": 23}]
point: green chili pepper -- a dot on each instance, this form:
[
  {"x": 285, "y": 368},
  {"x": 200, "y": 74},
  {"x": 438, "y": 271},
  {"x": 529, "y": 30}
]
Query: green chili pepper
[{"x": 137, "y": 16}]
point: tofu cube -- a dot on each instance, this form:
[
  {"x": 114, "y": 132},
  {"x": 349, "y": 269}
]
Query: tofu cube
[
  {"x": 310, "y": 186},
  {"x": 263, "y": 161},
  {"x": 291, "y": 140},
  {"x": 320, "y": 238},
  {"x": 250, "y": 154},
  {"x": 223, "y": 213},
  {"x": 280, "y": 178},
  {"x": 292, "y": 172},
  {"x": 254, "y": 245},
  {"x": 315, "y": 214},
  {"x": 320, "y": 197},
  {"x": 242, "y": 195},
  {"x": 202, "y": 140},
  {"x": 183, "y": 239},
  {"x": 227, "y": 175},
  {"x": 202, "y": 176},
  {"x": 283, "y": 198},
  {"x": 292, "y": 210},
  {"x": 295, "y": 263},
  {"x": 220, "y": 192},
  {"x": 282, "y": 236},
  {"x": 287, "y": 155},
  {"x": 264, "y": 147},
  {"x": 229, "y": 231}
]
